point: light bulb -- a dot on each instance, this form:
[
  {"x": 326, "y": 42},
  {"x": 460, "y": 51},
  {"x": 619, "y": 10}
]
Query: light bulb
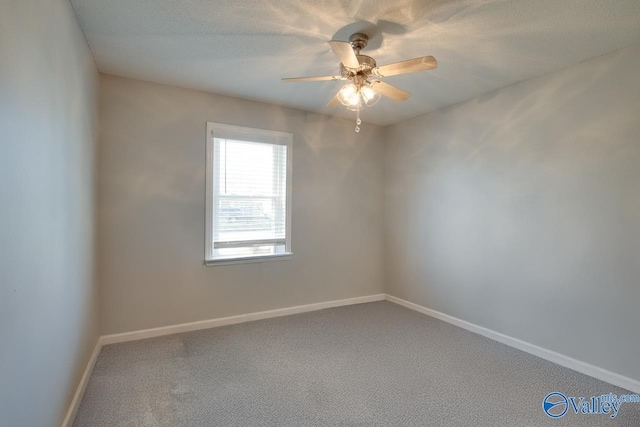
[
  {"x": 354, "y": 98},
  {"x": 348, "y": 94},
  {"x": 355, "y": 104}
]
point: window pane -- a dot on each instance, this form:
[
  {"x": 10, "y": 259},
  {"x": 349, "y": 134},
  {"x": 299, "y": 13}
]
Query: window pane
[{"x": 250, "y": 192}]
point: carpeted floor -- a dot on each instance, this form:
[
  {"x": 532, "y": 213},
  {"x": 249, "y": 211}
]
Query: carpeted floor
[{"x": 374, "y": 364}]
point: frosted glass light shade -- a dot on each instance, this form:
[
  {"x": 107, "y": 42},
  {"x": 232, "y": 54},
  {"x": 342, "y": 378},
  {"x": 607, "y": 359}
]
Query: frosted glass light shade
[
  {"x": 369, "y": 96},
  {"x": 355, "y": 99}
]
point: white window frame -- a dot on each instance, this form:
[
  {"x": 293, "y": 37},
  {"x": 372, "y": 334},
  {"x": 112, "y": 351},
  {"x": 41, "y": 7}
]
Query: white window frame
[{"x": 241, "y": 133}]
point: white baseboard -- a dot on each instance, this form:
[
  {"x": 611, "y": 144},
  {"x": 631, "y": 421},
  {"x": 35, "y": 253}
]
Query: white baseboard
[
  {"x": 552, "y": 356},
  {"x": 222, "y": 321},
  {"x": 82, "y": 385}
]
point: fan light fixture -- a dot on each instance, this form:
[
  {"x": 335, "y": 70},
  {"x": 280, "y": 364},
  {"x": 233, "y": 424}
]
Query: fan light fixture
[
  {"x": 363, "y": 71},
  {"x": 356, "y": 98}
]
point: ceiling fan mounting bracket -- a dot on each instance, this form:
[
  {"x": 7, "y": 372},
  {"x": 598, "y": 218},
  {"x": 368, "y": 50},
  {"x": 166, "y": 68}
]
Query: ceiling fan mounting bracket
[{"x": 358, "y": 41}]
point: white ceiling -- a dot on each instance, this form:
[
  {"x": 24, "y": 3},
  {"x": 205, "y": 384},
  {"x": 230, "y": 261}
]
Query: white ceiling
[{"x": 243, "y": 48}]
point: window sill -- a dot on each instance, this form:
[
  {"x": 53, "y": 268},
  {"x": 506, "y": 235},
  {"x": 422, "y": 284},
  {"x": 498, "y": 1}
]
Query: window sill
[{"x": 248, "y": 259}]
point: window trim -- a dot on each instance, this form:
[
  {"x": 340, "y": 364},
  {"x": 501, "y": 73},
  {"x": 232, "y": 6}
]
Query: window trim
[{"x": 219, "y": 130}]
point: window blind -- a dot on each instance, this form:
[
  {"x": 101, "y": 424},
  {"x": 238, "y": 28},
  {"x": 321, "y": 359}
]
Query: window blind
[{"x": 249, "y": 198}]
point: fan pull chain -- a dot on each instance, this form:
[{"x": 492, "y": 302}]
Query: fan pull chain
[{"x": 358, "y": 121}]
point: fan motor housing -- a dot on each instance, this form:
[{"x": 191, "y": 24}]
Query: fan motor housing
[{"x": 367, "y": 64}]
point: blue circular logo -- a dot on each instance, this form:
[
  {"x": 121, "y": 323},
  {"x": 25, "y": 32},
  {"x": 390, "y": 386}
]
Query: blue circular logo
[{"x": 555, "y": 404}]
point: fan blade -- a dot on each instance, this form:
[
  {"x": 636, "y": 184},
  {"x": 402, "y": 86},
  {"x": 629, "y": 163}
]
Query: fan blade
[
  {"x": 312, "y": 79},
  {"x": 408, "y": 66},
  {"x": 345, "y": 52},
  {"x": 334, "y": 102},
  {"x": 390, "y": 91}
]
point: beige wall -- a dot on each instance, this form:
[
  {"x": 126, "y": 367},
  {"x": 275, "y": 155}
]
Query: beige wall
[
  {"x": 520, "y": 211},
  {"x": 151, "y": 209},
  {"x": 48, "y": 126}
]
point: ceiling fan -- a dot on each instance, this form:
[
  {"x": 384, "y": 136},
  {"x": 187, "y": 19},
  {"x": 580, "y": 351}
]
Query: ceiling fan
[{"x": 365, "y": 89}]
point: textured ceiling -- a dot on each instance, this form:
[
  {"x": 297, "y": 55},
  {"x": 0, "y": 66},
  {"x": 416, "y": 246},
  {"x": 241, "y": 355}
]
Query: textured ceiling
[{"x": 243, "y": 48}]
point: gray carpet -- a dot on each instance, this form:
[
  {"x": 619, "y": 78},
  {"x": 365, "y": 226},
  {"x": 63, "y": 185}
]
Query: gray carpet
[{"x": 374, "y": 364}]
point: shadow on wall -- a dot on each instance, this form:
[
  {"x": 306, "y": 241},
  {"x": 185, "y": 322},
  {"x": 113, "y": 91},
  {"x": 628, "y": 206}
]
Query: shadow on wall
[{"x": 564, "y": 97}]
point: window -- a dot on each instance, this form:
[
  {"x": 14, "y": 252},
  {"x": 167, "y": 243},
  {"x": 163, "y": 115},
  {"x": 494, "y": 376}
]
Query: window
[{"x": 248, "y": 214}]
